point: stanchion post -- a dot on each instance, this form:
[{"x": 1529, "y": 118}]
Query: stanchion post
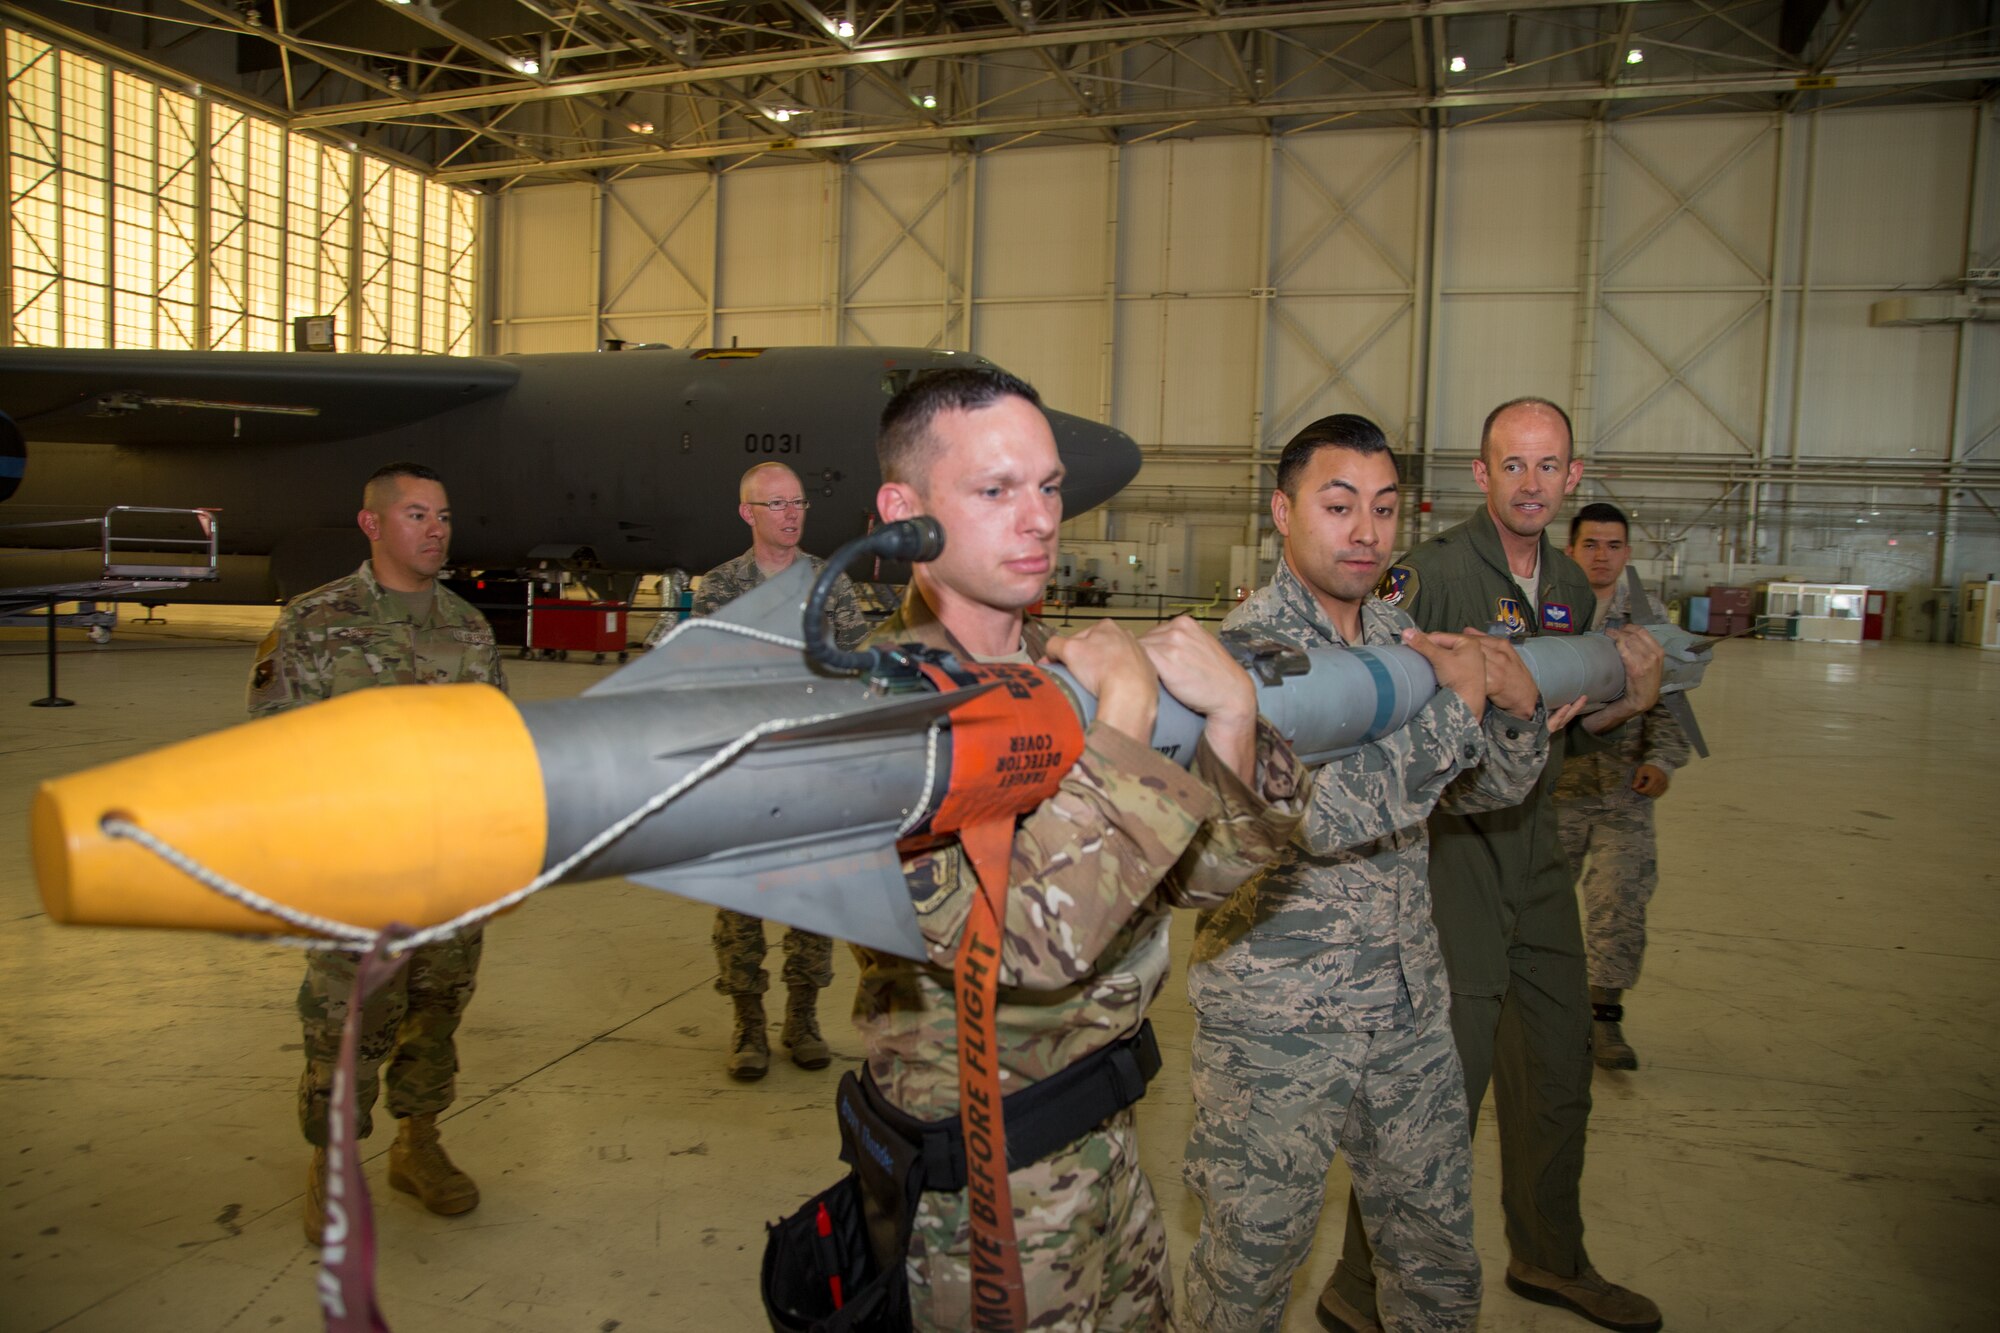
[{"x": 52, "y": 699}]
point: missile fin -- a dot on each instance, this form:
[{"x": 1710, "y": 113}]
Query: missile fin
[
  {"x": 897, "y": 715},
  {"x": 697, "y": 656},
  {"x": 1681, "y": 708},
  {"x": 847, "y": 888}
]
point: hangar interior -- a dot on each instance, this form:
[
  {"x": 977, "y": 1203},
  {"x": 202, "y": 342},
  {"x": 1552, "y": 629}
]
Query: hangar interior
[{"x": 1752, "y": 245}]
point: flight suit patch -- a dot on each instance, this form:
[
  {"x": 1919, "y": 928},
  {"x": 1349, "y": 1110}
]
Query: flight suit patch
[
  {"x": 1398, "y": 585},
  {"x": 1509, "y": 615},
  {"x": 1556, "y": 619}
]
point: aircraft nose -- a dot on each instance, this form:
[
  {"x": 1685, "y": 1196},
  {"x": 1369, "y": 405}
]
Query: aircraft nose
[{"x": 1098, "y": 461}]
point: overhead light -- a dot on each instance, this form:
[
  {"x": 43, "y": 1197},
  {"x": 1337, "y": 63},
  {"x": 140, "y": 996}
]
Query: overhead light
[
  {"x": 1458, "y": 64},
  {"x": 640, "y": 126},
  {"x": 928, "y": 101},
  {"x": 1635, "y": 57},
  {"x": 781, "y": 114},
  {"x": 528, "y": 65},
  {"x": 843, "y": 29}
]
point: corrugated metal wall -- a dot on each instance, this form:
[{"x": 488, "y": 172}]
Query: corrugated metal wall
[{"x": 1695, "y": 288}]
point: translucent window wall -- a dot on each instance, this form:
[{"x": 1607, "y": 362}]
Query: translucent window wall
[{"x": 139, "y": 216}]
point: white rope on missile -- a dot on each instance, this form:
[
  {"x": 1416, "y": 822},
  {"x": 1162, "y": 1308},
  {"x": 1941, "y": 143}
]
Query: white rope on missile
[
  {"x": 466, "y": 920},
  {"x": 115, "y": 827},
  {"x": 919, "y": 809},
  {"x": 728, "y": 627}
]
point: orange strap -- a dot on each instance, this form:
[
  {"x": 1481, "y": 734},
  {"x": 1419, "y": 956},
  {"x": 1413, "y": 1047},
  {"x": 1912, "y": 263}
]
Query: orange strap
[{"x": 1009, "y": 750}]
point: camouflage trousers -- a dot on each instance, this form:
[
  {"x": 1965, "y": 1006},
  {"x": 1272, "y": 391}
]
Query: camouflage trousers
[
  {"x": 739, "y": 956},
  {"x": 411, "y": 1023},
  {"x": 1093, "y": 1249},
  {"x": 1270, "y": 1111},
  {"x": 1609, "y": 840}
]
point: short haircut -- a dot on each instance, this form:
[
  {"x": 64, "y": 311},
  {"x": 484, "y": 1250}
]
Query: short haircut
[
  {"x": 743, "y": 486},
  {"x": 906, "y": 448},
  {"x": 371, "y": 493},
  {"x": 1343, "y": 430},
  {"x": 1486, "y": 431},
  {"x": 1598, "y": 512}
]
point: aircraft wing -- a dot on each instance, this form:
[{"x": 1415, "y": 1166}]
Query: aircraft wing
[{"x": 192, "y": 398}]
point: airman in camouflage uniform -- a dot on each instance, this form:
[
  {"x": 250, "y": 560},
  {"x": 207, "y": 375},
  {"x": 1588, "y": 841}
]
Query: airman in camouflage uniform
[
  {"x": 1322, "y": 1007},
  {"x": 1604, "y": 803},
  {"x": 356, "y": 634},
  {"x": 1096, "y": 868},
  {"x": 738, "y": 936}
]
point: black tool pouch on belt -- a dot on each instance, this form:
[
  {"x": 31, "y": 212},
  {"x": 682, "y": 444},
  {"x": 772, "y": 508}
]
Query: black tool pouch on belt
[
  {"x": 857, "y": 1250},
  {"x": 895, "y": 1158}
]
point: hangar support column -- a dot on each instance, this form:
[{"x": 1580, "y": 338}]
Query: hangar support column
[{"x": 1960, "y": 442}]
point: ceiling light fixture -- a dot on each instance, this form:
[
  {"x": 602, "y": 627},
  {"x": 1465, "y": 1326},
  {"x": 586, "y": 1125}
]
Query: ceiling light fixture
[
  {"x": 843, "y": 30},
  {"x": 928, "y": 101},
  {"x": 528, "y": 65},
  {"x": 640, "y": 126},
  {"x": 1635, "y": 57},
  {"x": 1458, "y": 64}
]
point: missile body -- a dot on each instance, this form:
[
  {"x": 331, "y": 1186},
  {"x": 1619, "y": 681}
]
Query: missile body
[{"x": 814, "y": 779}]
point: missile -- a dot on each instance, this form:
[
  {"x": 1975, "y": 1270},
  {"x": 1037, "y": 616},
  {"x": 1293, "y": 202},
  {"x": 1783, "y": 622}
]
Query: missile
[{"x": 730, "y": 765}]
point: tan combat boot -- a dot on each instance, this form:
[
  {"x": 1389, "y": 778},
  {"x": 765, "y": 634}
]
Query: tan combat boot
[
  {"x": 1608, "y": 1045},
  {"x": 417, "y": 1165},
  {"x": 801, "y": 1035},
  {"x": 316, "y": 1199},
  {"x": 1603, "y": 1303},
  {"x": 1337, "y": 1314},
  {"x": 749, "y": 1046}
]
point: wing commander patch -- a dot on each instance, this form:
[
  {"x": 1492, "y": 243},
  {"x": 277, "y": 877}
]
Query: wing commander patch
[
  {"x": 1509, "y": 616},
  {"x": 1398, "y": 585},
  {"x": 1556, "y": 619}
]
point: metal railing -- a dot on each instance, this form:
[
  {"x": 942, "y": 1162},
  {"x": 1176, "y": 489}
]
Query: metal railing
[
  {"x": 142, "y": 570},
  {"x": 1087, "y": 603}
]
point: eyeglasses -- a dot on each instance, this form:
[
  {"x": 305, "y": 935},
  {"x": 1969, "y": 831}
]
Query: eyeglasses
[{"x": 780, "y": 506}]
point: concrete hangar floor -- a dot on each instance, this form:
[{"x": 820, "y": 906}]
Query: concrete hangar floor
[{"x": 1813, "y": 1141}]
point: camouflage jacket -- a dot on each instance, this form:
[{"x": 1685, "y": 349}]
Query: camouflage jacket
[
  {"x": 1654, "y": 738},
  {"x": 348, "y": 635},
  {"x": 1337, "y": 935},
  {"x": 1096, "y": 868},
  {"x": 732, "y": 578}
]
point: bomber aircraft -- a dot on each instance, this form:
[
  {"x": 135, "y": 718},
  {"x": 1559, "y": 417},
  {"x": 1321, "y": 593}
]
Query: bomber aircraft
[{"x": 611, "y": 461}]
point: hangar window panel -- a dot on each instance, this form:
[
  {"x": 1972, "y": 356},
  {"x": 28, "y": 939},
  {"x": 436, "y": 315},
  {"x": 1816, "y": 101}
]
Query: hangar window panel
[
  {"x": 264, "y": 237},
  {"x": 458, "y": 278},
  {"x": 139, "y": 216},
  {"x": 177, "y": 240},
  {"x": 82, "y": 154},
  {"x": 319, "y": 241},
  {"x": 35, "y": 234}
]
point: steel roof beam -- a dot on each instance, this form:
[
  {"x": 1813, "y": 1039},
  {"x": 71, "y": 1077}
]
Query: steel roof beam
[
  {"x": 1286, "y": 17},
  {"x": 1720, "y": 86}
]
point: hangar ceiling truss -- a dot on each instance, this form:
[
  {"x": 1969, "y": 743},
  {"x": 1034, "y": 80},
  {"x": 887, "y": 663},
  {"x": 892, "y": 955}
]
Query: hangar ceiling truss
[{"x": 497, "y": 92}]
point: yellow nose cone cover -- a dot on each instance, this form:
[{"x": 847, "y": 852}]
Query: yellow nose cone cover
[{"x": 408, "y": 803}]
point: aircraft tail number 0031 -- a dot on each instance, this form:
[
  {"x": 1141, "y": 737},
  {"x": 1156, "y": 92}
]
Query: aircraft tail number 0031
[{"x": 754, "y": 443}]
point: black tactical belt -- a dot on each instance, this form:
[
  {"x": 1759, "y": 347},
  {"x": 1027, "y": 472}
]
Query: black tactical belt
[{"x": 1042, "y": 1119}]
